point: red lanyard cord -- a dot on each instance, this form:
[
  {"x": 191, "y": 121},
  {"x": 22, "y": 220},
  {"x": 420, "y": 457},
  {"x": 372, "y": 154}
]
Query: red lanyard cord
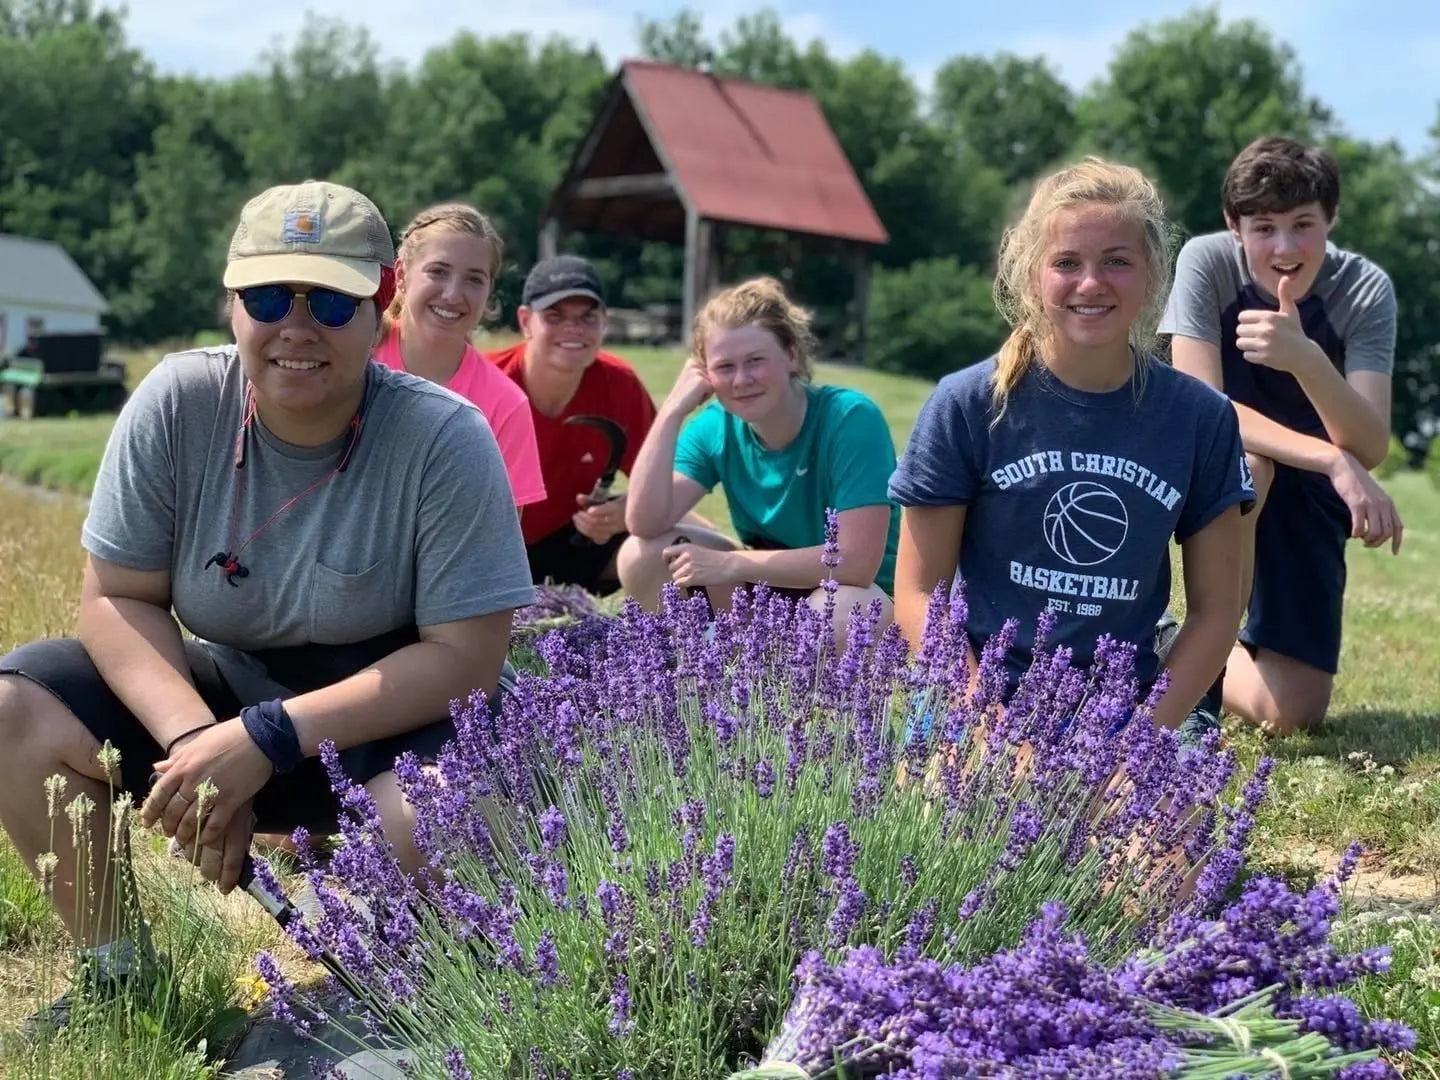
[{"x": 228, "y": 560}]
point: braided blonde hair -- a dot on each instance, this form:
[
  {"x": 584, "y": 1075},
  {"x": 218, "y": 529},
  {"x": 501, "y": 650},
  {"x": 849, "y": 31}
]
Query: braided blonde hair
[{"x": 447, "y": 217}]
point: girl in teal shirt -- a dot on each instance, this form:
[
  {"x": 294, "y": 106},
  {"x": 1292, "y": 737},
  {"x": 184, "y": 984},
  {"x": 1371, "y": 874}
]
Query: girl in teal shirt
[{"x": 783, "y": 449}]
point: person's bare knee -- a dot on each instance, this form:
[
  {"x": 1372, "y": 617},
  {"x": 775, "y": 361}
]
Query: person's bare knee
[
  {"x": 39, "y": 732},
  {"x": 397, "y": 819},
  {"x": 849, "y": 597},
  {"x": 641, "y": 569},
  {"x": 641, "y": 562},
  {"x": 1301, "y": 701},
  {"x": 1278, "y": 693},
  {"x": 639, "y": 553}
]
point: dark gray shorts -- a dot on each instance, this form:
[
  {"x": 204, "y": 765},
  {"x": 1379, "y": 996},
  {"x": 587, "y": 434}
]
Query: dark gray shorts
[
  {"x": 1297, "y": 604},
  {"x": 299, "y": 798}
]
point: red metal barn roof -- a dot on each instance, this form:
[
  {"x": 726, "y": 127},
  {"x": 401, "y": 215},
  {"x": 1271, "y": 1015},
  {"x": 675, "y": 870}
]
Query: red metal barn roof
[{"x": 751, "y": 154}]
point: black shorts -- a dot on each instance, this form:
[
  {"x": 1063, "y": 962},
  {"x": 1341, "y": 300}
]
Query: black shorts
[
  {"x": 299, "y": 798},
  {"x": 567, "y": 558},
  {"x": 1297, "y": 601}
]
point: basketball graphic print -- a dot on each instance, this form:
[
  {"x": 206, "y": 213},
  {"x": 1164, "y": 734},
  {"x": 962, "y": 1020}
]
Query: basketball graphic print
[{"x": 1086, "y": 523}]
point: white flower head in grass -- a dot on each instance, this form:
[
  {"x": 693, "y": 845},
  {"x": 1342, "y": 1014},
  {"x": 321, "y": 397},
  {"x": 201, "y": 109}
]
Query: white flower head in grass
[
  {"x": 45, "y": 866},
  {"x": 79, "y": 811},
  {"x": 120, "y": 821},
  {"x": 205, "y": 793},
  {"x": 1363, "y": 761},
  {"x": 109, "y": 758},
  {"x": 54, "y": 788}
]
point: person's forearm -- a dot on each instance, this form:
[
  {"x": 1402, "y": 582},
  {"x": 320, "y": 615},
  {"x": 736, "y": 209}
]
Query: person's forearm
[
  {"x": 1200, "y": 651},
  {"x": 793, "y": 568},
  {"x": 137, "y": 648},
  {"x": 1269, "y": 438},
  {"x": 1351, "y": 422},
  {"x": 408, "y": 689},
  {"x": 652, "y": 481}
]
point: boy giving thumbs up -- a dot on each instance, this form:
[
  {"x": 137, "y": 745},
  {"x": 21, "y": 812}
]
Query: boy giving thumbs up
[{"x": 1300, "y": 335}]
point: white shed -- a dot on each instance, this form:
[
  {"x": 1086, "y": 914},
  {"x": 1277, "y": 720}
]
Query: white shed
[{"x": 42, "y": 290}]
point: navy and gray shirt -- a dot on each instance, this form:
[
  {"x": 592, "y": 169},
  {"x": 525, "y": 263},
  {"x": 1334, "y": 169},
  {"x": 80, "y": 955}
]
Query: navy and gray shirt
[
  {"x": 1349, "y": 312},
  {"x": 1072, "y": 498}
]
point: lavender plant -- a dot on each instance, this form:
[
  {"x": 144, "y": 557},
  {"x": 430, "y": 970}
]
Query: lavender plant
[{"x": 626, "y": 864}]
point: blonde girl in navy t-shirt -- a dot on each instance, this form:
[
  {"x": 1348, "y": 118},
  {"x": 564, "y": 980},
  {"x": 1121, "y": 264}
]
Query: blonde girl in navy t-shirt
[{"x": 1054, "y": 474}]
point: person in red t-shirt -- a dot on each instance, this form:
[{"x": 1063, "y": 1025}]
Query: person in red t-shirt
[{"x": 564, "y": 373}]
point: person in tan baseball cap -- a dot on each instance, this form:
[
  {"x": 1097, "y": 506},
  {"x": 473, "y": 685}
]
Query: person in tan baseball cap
[{"x": 288, "y": 547}]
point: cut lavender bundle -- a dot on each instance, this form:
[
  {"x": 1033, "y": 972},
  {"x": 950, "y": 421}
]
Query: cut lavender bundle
[
  {"x": 625, "y": 865},
  {"x": 566, "y": 613},
  {"x": 555, "y": 602},
  {"x": 1048, "y": 1008}
]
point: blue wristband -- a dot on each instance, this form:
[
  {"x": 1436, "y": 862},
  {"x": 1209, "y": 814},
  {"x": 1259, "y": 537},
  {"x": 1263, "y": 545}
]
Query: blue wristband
[{"x": 270, "y": 728}]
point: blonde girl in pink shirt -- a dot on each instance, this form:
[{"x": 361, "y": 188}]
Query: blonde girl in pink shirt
[{"x": 444, "y": 274}]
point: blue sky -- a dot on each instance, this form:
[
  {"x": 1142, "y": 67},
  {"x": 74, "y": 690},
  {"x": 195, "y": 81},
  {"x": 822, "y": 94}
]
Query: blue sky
[{"x": 1376, "y": 63}]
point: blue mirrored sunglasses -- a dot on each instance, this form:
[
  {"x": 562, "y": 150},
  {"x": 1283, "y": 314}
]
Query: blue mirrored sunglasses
[{"x": 271, "y": 303}]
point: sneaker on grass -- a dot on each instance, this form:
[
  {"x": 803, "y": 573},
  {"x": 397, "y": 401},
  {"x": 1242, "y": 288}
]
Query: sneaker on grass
[{"x": 95, "y": 985}]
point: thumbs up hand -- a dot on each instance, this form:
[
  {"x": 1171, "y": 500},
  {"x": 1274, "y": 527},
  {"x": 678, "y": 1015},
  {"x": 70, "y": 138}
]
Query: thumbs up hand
[{"x": 1276, "y": 338}]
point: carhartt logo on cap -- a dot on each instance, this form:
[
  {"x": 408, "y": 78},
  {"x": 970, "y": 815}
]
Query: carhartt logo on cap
[{"x": 301, "y": 227}]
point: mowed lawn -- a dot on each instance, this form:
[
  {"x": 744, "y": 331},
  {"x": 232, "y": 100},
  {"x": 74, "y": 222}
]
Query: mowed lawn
[{"x": 1370, "y": 773}]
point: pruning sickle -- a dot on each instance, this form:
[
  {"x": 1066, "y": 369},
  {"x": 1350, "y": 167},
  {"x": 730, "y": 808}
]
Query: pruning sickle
[
  {"x": 279, "y": 908},
  {"x": 601, "y": 493}
]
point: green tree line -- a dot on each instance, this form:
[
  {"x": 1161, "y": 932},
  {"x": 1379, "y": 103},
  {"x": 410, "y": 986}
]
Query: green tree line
[{"x": 140, "y": 174}]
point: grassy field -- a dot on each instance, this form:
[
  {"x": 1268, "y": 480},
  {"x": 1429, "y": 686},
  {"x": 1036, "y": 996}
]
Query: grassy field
[
  {"x": 64, "y": 452},
  {"x": 1370, "y": 773}
]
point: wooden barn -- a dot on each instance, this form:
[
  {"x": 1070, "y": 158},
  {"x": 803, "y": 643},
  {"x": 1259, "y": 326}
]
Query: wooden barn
[{"x": 679, "y": 155}]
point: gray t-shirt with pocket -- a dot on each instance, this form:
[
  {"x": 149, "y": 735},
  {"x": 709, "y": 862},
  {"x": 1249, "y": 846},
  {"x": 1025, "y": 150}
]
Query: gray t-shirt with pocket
[{"x": 419, "y": 529}]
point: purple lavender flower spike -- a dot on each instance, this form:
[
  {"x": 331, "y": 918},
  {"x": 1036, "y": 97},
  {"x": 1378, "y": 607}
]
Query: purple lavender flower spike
[
  {"x": 281, "y": 993},
  {"x": 621, "y": 1023},
  {"x": 909, "y": 872},
  {"x": 764, "y": 778},
  {"x": 839, "y": 851},
  {"x": 547, "y": 960},
  {"x": 552, "y": 829},
  {"x": 830, "y": 554},
  {"x": 455, "y": 1066}
]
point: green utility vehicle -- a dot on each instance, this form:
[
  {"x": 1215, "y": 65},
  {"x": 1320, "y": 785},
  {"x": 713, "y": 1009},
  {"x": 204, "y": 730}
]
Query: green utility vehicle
[{"x": 59, "y": 373}]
